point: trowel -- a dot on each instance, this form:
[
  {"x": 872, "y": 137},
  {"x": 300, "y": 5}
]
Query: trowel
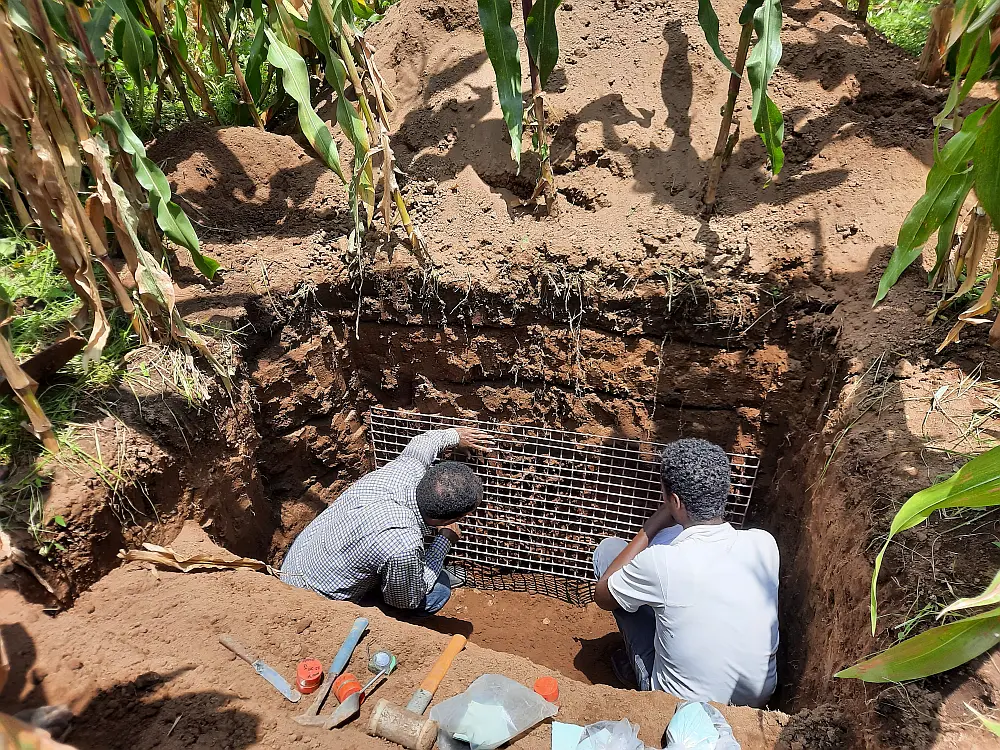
[
  {"x": 269, "y": 674},
  {"x": 346, "y": 710}
]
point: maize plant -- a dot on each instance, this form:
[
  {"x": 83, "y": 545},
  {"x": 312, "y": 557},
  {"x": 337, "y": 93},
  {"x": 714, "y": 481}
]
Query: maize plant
[
  {"x": 968, "y": 164},
  {"x": 542, "y": 42},
  {"x": 948, "y": 23},
  {"x": 975, "y": 485},
  {"x": 69, "y": 173},
  {"x": 760, "y": 19},
  {"x": 328, "y": 32}
]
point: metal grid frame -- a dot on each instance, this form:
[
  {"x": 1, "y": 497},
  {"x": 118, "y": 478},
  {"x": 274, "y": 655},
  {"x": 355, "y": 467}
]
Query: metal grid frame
[{"x": 549, "y": 497}]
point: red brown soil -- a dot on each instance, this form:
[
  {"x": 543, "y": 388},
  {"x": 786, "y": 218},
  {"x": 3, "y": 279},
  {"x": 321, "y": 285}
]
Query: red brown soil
[
  {"x": 155, "y": 675},
  {"x": 628, "y": 315},
  {"x": 572, "y": 640}
]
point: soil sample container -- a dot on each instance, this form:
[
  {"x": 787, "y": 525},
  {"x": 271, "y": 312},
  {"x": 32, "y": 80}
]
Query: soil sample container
[
  {"x": 548, "y": 688},
  {"x": 345, "y": 685},
  {"x": 308, "y": 675}
]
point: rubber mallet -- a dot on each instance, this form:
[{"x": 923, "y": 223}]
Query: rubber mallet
[{"x": 407, "y": 726}]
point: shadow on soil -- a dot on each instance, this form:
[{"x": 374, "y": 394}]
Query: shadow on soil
[{"x": 132, "y": 715}]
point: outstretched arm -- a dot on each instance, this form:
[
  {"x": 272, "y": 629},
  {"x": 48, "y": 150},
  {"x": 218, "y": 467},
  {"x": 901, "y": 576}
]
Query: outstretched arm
[
  {"x": 661, "y": 519},
  {"x": 426, "y": 446}
]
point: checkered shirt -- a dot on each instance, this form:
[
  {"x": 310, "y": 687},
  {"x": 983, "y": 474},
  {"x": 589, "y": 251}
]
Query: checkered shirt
[{"x": 373, "y": 535}]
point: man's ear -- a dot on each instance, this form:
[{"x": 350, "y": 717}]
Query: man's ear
[{"x": 675, "y": 503}]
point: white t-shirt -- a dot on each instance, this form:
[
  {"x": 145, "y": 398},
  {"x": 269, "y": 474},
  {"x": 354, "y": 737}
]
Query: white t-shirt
[{"x": 714, "y": 591}]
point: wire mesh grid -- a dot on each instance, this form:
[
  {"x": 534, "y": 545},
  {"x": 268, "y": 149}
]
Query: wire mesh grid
[{"x": 549, "y": 497}]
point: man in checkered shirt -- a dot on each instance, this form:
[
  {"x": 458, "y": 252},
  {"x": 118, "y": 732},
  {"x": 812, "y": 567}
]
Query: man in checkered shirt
[{"x": 371, "y": 539}]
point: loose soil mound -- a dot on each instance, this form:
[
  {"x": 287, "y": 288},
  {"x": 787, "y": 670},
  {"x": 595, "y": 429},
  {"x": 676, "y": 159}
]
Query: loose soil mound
[{"x": 628, "y": 314}]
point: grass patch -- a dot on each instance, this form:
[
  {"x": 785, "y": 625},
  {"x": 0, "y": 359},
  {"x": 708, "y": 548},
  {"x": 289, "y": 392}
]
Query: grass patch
[
  {"x": 43, "y": 305},
  {"x": 904, "y": 23}
]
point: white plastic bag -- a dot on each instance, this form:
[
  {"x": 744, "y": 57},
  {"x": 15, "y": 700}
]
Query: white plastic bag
[
  {"x": 699, "y": 726},
  {"x": 611, "y": 735},
  {"x": 493, "y": 710}
]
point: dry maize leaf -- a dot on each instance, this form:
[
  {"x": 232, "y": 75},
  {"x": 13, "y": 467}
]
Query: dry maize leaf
[
  {"x": 170, "y": 558},
  {"x": 975, "y": 312},
  {"x": 24, "y": 390},
  {"x": 62, "y": 134},
  {"x": 995, "y": 333}
]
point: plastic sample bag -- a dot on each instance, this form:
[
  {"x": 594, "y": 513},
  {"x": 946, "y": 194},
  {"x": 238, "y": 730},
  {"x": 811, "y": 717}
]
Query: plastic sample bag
[
  {"x": 699, "y": 726},
  {"x": 493, "y": 710},
  {"x": 611, "y": 735}
]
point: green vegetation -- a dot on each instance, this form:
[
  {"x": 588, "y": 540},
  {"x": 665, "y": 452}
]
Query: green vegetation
[{"x": 905, "y": 23}]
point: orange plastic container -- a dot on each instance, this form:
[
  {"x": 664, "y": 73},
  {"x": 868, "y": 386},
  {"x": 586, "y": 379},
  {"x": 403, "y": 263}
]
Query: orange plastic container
[
  {"x": 308, "y": 675},
  {"x": 345, "y": 685},
  {"x": 548, "y": 688}
]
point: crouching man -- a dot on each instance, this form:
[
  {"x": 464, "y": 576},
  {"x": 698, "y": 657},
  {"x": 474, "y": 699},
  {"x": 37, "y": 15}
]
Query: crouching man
[
  {"x": 371, "y": 540},
  {"x": 698, "y": 606}
]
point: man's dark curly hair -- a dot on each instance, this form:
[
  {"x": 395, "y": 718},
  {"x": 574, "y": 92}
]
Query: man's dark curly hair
[
  {"x": 697, "y": 471},
  {"x": 448, "y": 491}
]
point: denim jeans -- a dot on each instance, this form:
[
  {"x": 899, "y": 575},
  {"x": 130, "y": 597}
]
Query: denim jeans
[
  {"x": 637, "y": 628},
  {"x": 432, "y": 603}
]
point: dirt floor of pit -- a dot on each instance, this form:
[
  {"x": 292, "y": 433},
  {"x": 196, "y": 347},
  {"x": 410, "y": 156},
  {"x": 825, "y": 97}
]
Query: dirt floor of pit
[{"x": 629, "y": 314}]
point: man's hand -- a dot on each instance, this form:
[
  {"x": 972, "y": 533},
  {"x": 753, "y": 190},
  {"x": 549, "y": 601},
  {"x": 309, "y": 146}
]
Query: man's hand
[
  {"x": 470, "y": 437},
  {"x": 662, "y": 518},
  {"x": 452, "y": 532}
]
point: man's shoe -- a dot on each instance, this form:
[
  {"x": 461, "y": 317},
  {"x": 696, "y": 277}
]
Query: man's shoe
[
  {"x": 623, "y": 669},
  {"x": 457, "y": 577}
]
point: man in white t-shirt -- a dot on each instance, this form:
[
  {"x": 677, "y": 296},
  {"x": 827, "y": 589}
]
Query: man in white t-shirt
[{"x": 696, "y": 600}]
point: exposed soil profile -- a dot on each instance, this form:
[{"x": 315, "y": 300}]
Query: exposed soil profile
[{"x": 627, "y": 315}]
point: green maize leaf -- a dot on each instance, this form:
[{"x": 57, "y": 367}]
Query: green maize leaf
[
  {"x": 986, "y": 166},
  {"x": 771, "y": 126},
  {"x": 749, "y": 11},
  {"x": 990, "y": 725},
  {"x": 169, "y": 216},
  {"x": 126, "y": 136},
  {"x": 56, "y": 13},
  {"x": 975, "y": 485},
  {"x": 295, "y": 79},
  {"x": 19, "y": 16},
  {"x": 541, "y": 37},
  {"x": 985, "y": 16},
  {"x": 761, "y": 65},
  {"x": 176, "y": 225},
  {"x": 946, "y": 232},
  {"x": 96, "y": 28},
  {"x": 152, "y": 179},
  {"x": 708, "y": 19},
  {"x": 991, "y": 596},
  {"x": 501, "y": 48},
  {"x": 948, "y": 183},
  {"x": 135, "y": 48},
  {"x": 179, "y": 29},
  {"x": 974, "y": 58},
  {"x": 255, "y": 59},
  {"x": 319, "y": 32},
  {"x": 932, "y": 652}
]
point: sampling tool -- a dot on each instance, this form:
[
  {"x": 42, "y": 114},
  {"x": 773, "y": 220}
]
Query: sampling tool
[
  {"x": 407, "y": 726},
  {"x": 279, "y": 682},
  {"x": 351, "y": 695},
  {"x": 336, "y": 667}
]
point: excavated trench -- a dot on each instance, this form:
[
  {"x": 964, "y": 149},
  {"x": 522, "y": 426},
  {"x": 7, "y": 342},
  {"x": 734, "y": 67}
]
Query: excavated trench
[
  {"x": 296, "y": 436},
  {"x": 764, "y": 393}
]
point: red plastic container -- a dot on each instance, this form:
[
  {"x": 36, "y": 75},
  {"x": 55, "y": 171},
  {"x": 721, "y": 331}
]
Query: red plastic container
[
  {"x": 308, "y": 675},
  {"x": 345, "y": 685},
  {"x": 548, "y": 688}
]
